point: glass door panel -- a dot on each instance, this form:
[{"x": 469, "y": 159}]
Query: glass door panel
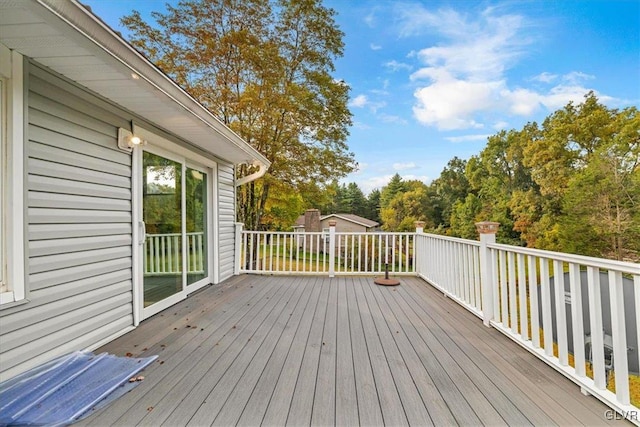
[
  {"x": 196, "y": 224},
  {"x": 162, "y": 215}
]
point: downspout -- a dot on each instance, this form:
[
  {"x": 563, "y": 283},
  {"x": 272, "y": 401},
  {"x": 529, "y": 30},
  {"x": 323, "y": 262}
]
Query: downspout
[{"x": 262, "y": 169}]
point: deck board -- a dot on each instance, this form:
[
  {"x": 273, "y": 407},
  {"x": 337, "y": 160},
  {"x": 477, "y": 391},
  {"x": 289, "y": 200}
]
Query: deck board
[{"x": 313, "y": 350}]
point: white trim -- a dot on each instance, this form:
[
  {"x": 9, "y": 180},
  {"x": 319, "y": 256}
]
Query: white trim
[
  {"x": 161, "y": 146},
  {"x": 164, "y": 304},
  {"x": 214, "y": 232},
  {"x": 137, "y": 270},
  {"x": 13, "y": 209}
]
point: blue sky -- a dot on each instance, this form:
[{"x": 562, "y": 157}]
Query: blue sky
[{"x": 430, "y": 80}]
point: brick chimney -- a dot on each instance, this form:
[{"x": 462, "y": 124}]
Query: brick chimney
[
  {"x": 312, "y": 224},
  {"x": 312, "y": 220}
]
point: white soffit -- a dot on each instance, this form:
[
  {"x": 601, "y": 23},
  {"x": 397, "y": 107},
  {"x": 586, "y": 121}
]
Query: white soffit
[{"x": 64, "y": 36}]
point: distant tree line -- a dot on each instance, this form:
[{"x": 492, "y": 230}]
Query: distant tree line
[{"x": 571, "y": 184}]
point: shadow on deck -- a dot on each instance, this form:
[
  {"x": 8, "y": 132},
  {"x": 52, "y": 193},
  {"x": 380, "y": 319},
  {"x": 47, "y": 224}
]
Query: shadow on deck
[{"x": 343, "y": 351}]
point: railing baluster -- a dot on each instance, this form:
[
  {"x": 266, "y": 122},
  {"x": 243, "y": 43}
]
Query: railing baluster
[
  {"x": 636, "y": 291},
  {"x": 547, "y": 326},
  {"x": 575, "y": 289},
  {"x": 513, "y": 301},
  {"x": 533, "y": 303},
  {"x": 496, "y": 285},
  {"x": 158, "y": 254},
  {"x": 522, "y": 292},
  {"x": 561, "y": 312},
  {"x": 597, "y": 333},
  {"x": 504, "y": 292},
  {"x": 619, "y": 337},
  {"x": 170, "y": 254}
]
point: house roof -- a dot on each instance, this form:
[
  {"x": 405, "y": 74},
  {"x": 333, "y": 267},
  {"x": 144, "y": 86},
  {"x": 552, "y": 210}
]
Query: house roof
[
  {"x": 347, "y": 217},
  {"x": 67, "y": 38},
  {"x": 352, "y": 218}
]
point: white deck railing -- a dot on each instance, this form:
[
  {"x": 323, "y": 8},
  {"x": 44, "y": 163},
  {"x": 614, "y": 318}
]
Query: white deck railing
[
  {"x": 163, "y": 253},
  {"x": 330, "y": 253},
  {"x": 581, "y": 315}
]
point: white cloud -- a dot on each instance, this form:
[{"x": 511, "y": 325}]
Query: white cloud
[
  {"x": 451, "y": 103},
  {"x": 370, "y": 184},
  {"x": 395, "y": 66},
  {"x": 465, "y": 75},
  {"x": 545, "y": 77},
  {"x": 404, "y": 166},
  {"x": 500, "y": 125},
  {"x": 374, "y": 46},
  {"x": 523, "y": 102},
  {"x": 560, "y": 95},
  {"x": 359, "y": 101},
  {"x": 575, "y": 78},
  {"x": 463, "y": 80},
  {"x": 468, "y": 138}
]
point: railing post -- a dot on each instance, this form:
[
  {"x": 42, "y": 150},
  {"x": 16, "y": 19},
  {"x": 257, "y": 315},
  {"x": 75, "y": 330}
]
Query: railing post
[
  {"x": 417, "y": 251},
  {"x": 487, "y": 231},
  {"x": 332, "y": 248},
  {"x": 238, "y": 248}
]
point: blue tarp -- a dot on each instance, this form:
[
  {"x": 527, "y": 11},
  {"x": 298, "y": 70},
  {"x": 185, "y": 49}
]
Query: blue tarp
[{"x": 64, "y": 390}]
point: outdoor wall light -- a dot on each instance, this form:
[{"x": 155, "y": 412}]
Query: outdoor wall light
[{"x": 127, "y": 140}]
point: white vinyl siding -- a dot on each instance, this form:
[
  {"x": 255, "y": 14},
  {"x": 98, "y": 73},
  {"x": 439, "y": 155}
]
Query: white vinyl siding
[{"x": 78, "y": 213}]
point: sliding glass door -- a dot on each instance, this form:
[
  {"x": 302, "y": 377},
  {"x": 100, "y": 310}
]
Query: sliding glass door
[{"x": 175, "y": 217}]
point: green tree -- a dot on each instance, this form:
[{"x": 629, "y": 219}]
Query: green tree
[
  {"x": 357, "y": 203},
  {"x": 264, "y": 69},
  {"x": 406, "y": 207},
  {"x": 389, "y": 191},
  {"x": 602, "y": 201},
  {"x": 283, "y": 208},
  {"x": 373, "y": 206},
  {"x": 451, "y": 186}
]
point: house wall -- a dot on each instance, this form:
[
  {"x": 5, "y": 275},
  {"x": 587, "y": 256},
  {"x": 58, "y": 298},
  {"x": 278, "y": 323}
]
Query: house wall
[
  {"x": 79, "y": 226},
  {"x": 78, "y": 202},
  {"x": 344, "y": 226}
]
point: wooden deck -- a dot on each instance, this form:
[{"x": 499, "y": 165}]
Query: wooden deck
[{"x": 343, "y": 351}]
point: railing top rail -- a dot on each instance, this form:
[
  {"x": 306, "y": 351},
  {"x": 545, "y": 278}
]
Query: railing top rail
[
  {"x": 607, "y": 264},
  {"x": 374, "y": 233},
  {"x": 284, "y": 233},
  {"x": 451, "y": 239},
  {"x": 338, "y": 233}
]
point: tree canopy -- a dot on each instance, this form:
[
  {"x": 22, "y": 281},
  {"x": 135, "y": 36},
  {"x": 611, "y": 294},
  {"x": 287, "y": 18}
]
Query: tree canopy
[
  {"x": 263, "y": 67},
  {"x": 571, "y": 184}
]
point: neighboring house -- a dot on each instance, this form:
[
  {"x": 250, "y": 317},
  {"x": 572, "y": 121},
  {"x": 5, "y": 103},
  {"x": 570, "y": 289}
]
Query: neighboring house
[
  {"x": 344, "y": 223},
  {"x": 94, "y": 236}
]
